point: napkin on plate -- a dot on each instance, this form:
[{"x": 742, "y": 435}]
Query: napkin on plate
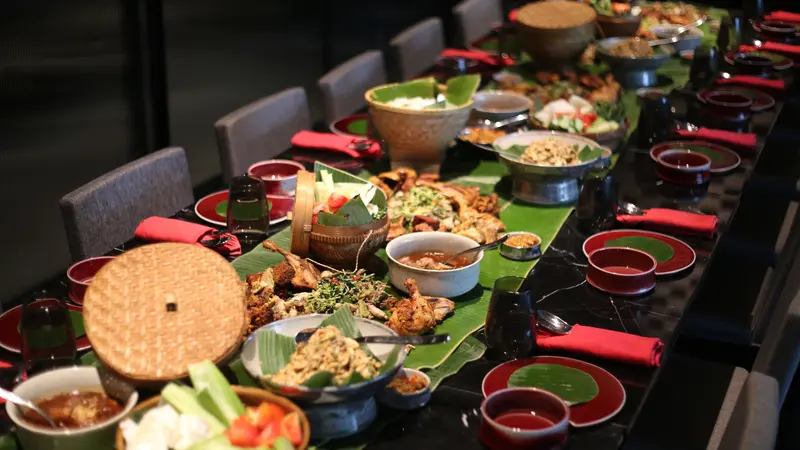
[
  {"x": 607, "y": 344},
  {"x": 744, "y": 140},
  {"x": 673, "y": 220},
  {"x": 774, "y": 47},
  {"x": 476, "y": 55},
  {"x": 512, "y": 15},
  {"x": 753, "y": 81},
  {"x": 330, "y": 141},
  {"x": 161, "y": 229},
  {"x": 785, "y": 16}
]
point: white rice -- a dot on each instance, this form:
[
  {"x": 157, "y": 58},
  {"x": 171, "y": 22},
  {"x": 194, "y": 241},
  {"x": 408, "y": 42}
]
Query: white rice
[{"x": 414, "y": 102}]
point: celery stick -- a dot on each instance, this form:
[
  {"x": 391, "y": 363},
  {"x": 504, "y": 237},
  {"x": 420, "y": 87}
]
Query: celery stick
[
  {"x": 220, "y": 443},
  {"x": 183, "y": 399},
  {"x": 206, "y": 376}
]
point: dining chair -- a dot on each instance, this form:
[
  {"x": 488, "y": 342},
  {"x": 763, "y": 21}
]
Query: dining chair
[
  {"x": 261, "y": 130},
  {"x": 475, "y": 19},
  {"x": 417, "y": 48},
  {"x": 343, "y": 87},
  {"x": 753, "y": 422},
  {"x": 105, "y": 212}
]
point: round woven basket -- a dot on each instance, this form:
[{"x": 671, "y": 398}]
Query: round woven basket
[
  {"x": 154, "y": 310},
  {"x": 417, "y": 138},
  {"x": 555, "y": 46},
  {"x": 341, "y": 247},
  {"x": 250, "y": 397}
]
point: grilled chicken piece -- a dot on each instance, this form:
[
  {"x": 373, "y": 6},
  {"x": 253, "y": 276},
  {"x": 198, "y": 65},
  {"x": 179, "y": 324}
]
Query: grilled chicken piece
[
  {"x": 442, "y": 307},
  {"x": 382, "y": 186},
  {"x": 488, "y": 204},
  {"x": 396, "y": 228},
  {"x": 283, "y": 274},
  {"x": 481, "y": 228},
  {"x": 412, "y": 316},
  {"x": 305, "y": 275}
]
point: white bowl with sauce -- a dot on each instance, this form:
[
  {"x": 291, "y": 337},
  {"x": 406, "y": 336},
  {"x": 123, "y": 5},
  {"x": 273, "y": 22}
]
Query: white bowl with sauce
[
  {"x": 434, "y": 283},
  {"x": 63, "y": 381}
]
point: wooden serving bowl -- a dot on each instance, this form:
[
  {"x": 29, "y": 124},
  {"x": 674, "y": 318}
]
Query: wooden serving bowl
[
  {"x": 250, "y": 397},
  {"x": 341, "y": 246},
  {"x": 618, "y": 26}
]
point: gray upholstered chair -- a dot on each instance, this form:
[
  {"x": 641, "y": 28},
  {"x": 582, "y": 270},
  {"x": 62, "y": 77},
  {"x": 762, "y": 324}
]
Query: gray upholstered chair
[
  {"x": 261, "y": 130},
  {"x": 475, "y": 19},
  {"x": 417, "y": 48},
  {"x": 779, "y": 354},
  {"x": 753, "y": 423},
  {"x": 343, "y": 87},
  {"x": 105, "y": 212}
]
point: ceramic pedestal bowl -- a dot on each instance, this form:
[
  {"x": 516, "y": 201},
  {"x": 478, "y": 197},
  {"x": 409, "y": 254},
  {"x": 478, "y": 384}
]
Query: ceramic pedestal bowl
[
  {"x": 634, "y": 72},
  {"x": 621, "y": 271}
]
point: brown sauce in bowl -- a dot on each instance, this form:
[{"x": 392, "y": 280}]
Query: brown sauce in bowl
[
  {"x": 77, "y": 409},
  {"x": 434, "y": 261}
]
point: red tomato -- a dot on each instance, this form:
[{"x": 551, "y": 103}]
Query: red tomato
[
  {"x": 242, "y": 433},
  {"x": 336, "y": 201},
  {"x": 290, "y": 428},
  {"x": 620, "y": 8},
  {"x": 267, "y": 413},
  {"x": 268, "y": 435},
  {"x": 588, "y": 118}
]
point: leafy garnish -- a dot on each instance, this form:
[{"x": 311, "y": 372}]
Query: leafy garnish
[
  {"x": 352, "y": 213},
  {"x": 613, "y": 112},
  {"x": 588, "y": 153},
  {"x": 274, "y": 350},
  {"x": 516, "y": 149},
  {"x": 460, "y": 89}
]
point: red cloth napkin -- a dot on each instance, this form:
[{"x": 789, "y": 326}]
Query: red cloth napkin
[
  {"x": 330, "y": 141},
  {"x": 674, "y": 220},
  {"x": 477, "y": 55},
  {"x": 775, "y": 47},
  {"x": 744, "y": 140},
  {"x": 4, "y": 365},
  {"x": 607, "y": 344},
  {"x": 512, "y": 15},
  {"x": 161, "y": 229},
  {"x": 783, "y": 15},
  {"x": 753, "y": 81}
]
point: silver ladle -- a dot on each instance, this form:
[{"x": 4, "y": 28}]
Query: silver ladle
[
  {"x": 19, "y": 401},
  {"x": 488, "y": 246}
]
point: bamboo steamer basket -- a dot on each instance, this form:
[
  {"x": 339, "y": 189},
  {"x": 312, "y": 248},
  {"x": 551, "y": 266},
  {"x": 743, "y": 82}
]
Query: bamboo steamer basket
[
  {"x": 416, "y": 139},
  {"x": 156, "y": 309},
  {"x": 340, "y": 247},
  {"x": 250, "y": 397},
  {"x": 554, "y": 46}
]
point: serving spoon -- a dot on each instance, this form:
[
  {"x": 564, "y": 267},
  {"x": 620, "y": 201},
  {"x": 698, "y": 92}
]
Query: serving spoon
[
  {"x": 410, "y": 340},
  {"x": 678, "y": 33},
  {"x": 488, "y": 246},
  {"x": 486, "y": 123},
  {"x": 19, "y": 401},
  {"x": 552, "y": 322}
]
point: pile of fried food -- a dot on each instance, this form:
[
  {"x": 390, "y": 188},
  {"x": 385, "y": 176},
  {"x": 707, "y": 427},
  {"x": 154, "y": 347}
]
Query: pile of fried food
[
  {"x": 482, "y": 135},
  {"x": 423, "y": 203},
  {"x": 553, "y": 86},
  {"x": 551, "y": 152},
  {"x": 664, "y": 13},
  {"x": 296, "y": 287}
]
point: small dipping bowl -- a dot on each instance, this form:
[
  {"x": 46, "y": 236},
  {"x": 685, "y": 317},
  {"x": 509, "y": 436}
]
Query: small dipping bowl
[
  {"x": 498, "y": 105},
  {"x": 684, "y": 167},
  {"x": 729, "y": 104},
  {"x": 776, "y": 29},
  {"x": 406, "y": 402},
  {"x": 518, "y": 253},
  {"x": 621, "y": 271},
  {"x": 524, "y": 418},
  {"x": 81, "y": 274},
  {"x": 278, "y": 175},
  {"x": 753, "y": 64}
]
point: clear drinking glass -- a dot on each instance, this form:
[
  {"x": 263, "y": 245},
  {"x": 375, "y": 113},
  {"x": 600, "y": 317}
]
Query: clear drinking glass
[
  {"x": 48, "y": 340},
  {"x": 511, "y": 321},
  {"x": 248, "y": 211}
]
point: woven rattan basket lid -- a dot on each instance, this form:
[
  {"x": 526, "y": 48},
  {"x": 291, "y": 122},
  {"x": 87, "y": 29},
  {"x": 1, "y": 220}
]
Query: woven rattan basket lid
[
  {"x": 156, "y": 309},
  {"x": 303, "y": 213}
]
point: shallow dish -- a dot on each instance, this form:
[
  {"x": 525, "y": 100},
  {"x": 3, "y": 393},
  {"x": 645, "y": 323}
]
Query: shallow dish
[
  {"x": 722, "y": 158},
  {"x": 498, "y": 105},
  {"x": 434, "y": 283},
  {"x": 779, "y": 62},
  {"x": 777, "y": 29},
  {"x": 684, "y": 167},
  {"x": 406, "y": 402},
  {"x": 689, "y": 40},
  {"x": 278, "y": 175},
  {"x": 81, "y": 274},
  {"x": 503, "y": 424},
  {"x": 621, "y": 271},
  {"x": 521, "y": 253},
  {"x": 62, "y": 381},
  {"x": 749, "y": 62},
  {"x": 761, "y": 100}
]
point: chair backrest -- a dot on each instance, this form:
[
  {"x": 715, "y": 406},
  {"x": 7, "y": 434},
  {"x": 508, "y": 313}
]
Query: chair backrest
[
  {"x": 417, "y": 48},
  {"x": 753, "y": 424},
  {"x": 475, "y": 19},
  {"x": 105, "y": 212},
  {"x": 261, "y": 130},
  {"x": 779, "y": 354},
  {"x": 343, "y": 87}
]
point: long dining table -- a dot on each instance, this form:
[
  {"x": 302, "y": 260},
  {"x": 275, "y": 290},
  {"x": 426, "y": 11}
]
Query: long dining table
[{"x": 452, "y": 417}]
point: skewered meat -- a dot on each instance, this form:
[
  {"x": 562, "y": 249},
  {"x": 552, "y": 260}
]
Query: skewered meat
[
  {"x": 412, "y": 316},
  {"x": 306, "y": 276}
]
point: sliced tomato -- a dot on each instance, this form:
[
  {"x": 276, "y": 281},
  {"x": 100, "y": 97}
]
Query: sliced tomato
[
  {"x": 269, "y": 433},
  {"x": 620, "y": 8},
  {"x": 336, "y": 201},
  {"x": 587, "y": 119},
  {"x": 290, "y": 428},
  {"x": 267, "y": 413},
  {"x": 242, "y": 433}
]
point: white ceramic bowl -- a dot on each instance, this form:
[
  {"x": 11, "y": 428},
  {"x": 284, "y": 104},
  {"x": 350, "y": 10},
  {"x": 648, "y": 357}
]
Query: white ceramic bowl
[
  {"x": 61, "y": 381},
  {"x": 406, "y": 402},
  {"x": 434, "y": 283}
]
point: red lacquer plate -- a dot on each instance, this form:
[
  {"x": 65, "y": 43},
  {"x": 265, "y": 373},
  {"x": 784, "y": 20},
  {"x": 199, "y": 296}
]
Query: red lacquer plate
[
  {"x": 609, "y": 401},
  {"x": 682, "y": 259},
  {"x": 9, "y": 330},
  {"x": 354, "y": 127},
  {"x": 206, "y": 208},
  {"x": 722, "y": 158}
]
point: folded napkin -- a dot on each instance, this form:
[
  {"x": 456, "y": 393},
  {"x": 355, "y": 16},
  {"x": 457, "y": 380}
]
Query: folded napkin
[
  {"x": 608, "y": 344},
  {"x": 161, "y": 229},
  {"x": 5, "y": 365},
  {"x": 753, "y": 81},
  {"x": 774, "y": 47},
  {"x": 744, "y": 140},
  {"x": 673, "y": 220},
  {"x": 329, "y": 141},
  {"x": 512, "y": 15},
  {"x": 477, "y": 55},
  {"x": 785, "y": 16}
]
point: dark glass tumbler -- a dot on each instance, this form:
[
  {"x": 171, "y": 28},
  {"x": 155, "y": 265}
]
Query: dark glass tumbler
[
  {"x": 511, "y": 321},
  {"x": 248, "y": 211},
  {"x": 47, "y": 336},
  {"x": 655, "y": 119},
  {"x": 596, "y": 210}
]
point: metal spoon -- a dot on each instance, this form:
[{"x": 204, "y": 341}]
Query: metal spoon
[
  {"x": 678, "y": 32},
  {"x": 17, "y": 400},
  {"x": 215, "y": 239},
  {"x": 412, "y": 340},
  {"x": 488, "y": 246},
  {"x": 552, "y": 322},
  {"x": 502, "y": 123},
  {"x": 633, "y": 210}
]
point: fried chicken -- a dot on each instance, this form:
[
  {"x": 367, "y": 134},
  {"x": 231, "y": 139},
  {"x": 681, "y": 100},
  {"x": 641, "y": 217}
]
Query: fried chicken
[
  {"x": 305, "y": 276},
  {"x": 412, "y": 316}
]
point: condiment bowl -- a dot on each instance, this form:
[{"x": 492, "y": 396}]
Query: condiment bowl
[
  {"x": 521, "y": 253},
  {"x": 58, "y": 381},
  {"x": 684, "y": 167},
  {"x": 621, "y": 271},
  {"x": 524, "y": 418},
  {"x": 81, "y": 274},
  {"x": 498, "y": 105},
  {"x": 278, "y": 175},
  {"x": 728, "y": 104},
  {"x": 689, "y": 40},
  {"x": 434, "y": 283},
  {"x": 407, "y": 402},
  {"x": 753, "y": 64}
]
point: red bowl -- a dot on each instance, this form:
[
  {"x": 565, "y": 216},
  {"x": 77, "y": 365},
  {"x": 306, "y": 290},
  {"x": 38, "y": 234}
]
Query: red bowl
[
  {"x": 684, "y": 167},
  {"x": 81, "y": 274},
  {"x": 753, "y": 64},
  {"x": 278, "y": 175},
  {"x": 524, "y": 418},
  {"x": 729, "y": 104},
  {"x": 777, "y": 29},
  {"x": 621, "y": 271}
]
